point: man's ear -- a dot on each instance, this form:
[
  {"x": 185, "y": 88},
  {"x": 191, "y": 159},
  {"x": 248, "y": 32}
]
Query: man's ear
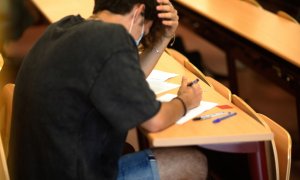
[
  {"x": 140, "y": 8},
  {"x": 137, "y": 10}
]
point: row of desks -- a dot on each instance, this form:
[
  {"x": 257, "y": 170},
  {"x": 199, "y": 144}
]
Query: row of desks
[{"x": 263, "y": 41}]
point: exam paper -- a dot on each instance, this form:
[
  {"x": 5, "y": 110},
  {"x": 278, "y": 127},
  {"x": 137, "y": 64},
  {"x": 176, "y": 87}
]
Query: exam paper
[
  {"x": 160, "y": 86},
  {"x": 160, "y": 75},
  {"x": 204, "y": 106}
]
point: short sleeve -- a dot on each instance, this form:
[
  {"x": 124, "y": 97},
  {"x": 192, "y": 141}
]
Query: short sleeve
[{"x": 121, "y": 94}]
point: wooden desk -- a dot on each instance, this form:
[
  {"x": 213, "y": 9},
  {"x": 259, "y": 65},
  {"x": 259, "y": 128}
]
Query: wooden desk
[
  {"x": 54, "y": 10},
  {"x": 240, "y": 128},
  {"x": 266, "y": 43},
  {"x": 239, "y": 134}
]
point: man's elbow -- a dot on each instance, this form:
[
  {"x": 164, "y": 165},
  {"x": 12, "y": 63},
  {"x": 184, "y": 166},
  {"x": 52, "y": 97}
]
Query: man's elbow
[{"x": 153, "y": 125}]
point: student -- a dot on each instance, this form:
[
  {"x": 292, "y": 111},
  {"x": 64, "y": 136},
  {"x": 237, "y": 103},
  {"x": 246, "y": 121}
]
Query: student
[{"x": 82, "y": 87}]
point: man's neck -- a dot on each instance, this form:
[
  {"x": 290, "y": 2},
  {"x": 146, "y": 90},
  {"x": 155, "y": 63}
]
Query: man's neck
[{"x": 107, "y": 16}]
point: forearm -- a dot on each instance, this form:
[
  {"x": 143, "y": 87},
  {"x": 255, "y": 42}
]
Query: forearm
[
  {"x": 168, "y": 114},
  {"x": 188, "y": 97},
  {"x": 169, "y": 19},
  {"x": 150, "y": 56}
]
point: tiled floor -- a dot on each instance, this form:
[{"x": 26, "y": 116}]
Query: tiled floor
[{"x": 264, "y": 96}]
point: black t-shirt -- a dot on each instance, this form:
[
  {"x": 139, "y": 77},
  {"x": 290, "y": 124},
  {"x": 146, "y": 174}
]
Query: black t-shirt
[{"x": 77, "y": 94}]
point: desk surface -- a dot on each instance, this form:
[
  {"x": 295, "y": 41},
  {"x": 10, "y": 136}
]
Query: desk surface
[
  {"x": 239, "y": 128},
  {"x": 264, "y": 28},
  {"x": 56, "y": 9}
]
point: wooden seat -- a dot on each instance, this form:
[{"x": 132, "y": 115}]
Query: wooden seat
[
  {"x": 271, "y": 149},
  {"x": 286, "y": 16},
  {"x": 6, "y": 97},
  {"x": 3, "y": 164},
  {"x": 1, "y": 61},
  {"x": 219, "y": 87},
  {"x": 253, "y": 2},
  {"x": 18, "y": 49},
  {"x": 132, "y": 139},
  {"x": 13, "y": 52},
  {"x": 183, "y": 60},
  {"x": 283, "y": 144}
]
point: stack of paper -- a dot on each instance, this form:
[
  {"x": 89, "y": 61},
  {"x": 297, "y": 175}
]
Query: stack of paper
[{"x": 156, "y": 81}]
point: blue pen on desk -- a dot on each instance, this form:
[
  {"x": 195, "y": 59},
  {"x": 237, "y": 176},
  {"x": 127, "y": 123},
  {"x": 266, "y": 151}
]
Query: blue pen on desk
[
  {"x": 193, "y": 82},
  {"x": 224, "y": 117}
]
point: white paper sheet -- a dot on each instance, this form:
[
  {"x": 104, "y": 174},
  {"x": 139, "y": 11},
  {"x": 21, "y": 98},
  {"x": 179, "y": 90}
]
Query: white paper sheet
[
  {"x": 160, "y": 75},
  {"x": 160, "y": 86},
  {"x": 204, "y": 106}
]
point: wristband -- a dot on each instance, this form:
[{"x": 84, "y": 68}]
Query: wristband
[{"x": 183, "y": 104}]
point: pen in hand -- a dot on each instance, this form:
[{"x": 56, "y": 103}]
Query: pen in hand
[
  {"x": 224, "y": 117},
  {"x": 193, "y": 82}
]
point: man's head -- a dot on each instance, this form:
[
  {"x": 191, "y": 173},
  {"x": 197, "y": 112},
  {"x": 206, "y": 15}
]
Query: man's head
[{"x": 124, "y": 7}]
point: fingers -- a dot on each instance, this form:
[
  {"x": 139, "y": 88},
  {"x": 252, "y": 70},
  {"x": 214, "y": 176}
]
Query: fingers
[
  {"x": 196, "y": 87},
  {"x": 184, "y": 81},
  {"x": 164, "y": 2},
  {"x": 168, "y": 13},
  {"x": 166, "y": 8},
  {"x": 192, "y": 95}
]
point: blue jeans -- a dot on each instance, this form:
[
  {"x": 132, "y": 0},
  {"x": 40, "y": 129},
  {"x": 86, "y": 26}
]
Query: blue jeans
[{"x": 138, "y": 166}]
